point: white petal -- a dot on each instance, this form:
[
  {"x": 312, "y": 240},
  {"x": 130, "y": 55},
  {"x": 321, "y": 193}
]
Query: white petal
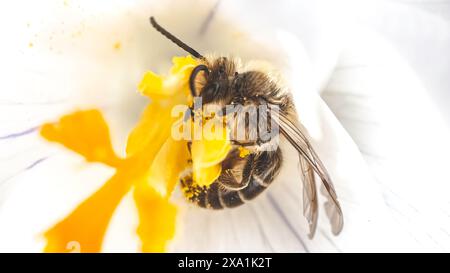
[
  {"x": 385, "y": 107},
  {"x": 73, "y": 63}
]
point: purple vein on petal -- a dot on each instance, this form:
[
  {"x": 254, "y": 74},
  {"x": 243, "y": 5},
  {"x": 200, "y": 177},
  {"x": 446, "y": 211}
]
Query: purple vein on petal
[
  {"x": 32, "y": 165},
  {"x": 29, "y": 167},
  {"x": 209, "y": 18},
  {"x": 19, "y": 134},
  {"x": 261, "y": 229},
  {"x": 286, "y": 221}
]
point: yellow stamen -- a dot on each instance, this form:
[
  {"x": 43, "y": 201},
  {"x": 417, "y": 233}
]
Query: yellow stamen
[{"x": 152, "y": 166}]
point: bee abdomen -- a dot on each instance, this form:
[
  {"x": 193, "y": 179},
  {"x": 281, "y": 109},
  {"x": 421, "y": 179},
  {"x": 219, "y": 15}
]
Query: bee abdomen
[
  {"x": 215, "y": 197},
  {"x": 255, "y": 187},
  {"x": 218, "y": 197}
]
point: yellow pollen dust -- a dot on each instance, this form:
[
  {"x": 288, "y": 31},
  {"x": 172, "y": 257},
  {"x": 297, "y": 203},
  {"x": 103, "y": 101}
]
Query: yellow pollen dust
[
  {"x": 243, "y": 152},
  {"x": 151, "y": 167}
]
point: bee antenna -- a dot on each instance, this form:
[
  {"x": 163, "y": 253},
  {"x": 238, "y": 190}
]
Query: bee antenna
[{"x": 174, "y": 39}]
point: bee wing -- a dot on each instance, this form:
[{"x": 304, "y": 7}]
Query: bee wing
[
  {"x": 310, "y": 204},
  {"x": 310, "y": 163}
]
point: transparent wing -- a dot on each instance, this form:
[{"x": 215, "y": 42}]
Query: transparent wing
[
  {"x": 310, "y": 206},
  {"x": 310, "y": 163}
]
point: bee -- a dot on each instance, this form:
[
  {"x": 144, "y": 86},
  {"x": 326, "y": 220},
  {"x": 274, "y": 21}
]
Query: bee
[{"x": 222, "y": 81}]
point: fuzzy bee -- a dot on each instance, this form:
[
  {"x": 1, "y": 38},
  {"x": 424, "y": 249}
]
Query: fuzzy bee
[{"x": 223, "y": 81}]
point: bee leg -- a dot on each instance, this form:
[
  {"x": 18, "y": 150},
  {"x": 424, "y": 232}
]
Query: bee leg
[
  {"x": 189, "y": 147},
  {"x": 264, "y": 169},
  {"x": 229, "y": 180}
]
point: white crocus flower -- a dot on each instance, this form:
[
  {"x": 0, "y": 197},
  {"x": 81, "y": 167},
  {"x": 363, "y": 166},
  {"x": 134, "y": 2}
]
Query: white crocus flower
[{"x": 61, "y": 56}]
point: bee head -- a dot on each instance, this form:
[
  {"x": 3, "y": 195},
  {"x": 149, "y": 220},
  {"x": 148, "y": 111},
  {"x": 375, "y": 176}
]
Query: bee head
[{"x": 215, "y": 81}]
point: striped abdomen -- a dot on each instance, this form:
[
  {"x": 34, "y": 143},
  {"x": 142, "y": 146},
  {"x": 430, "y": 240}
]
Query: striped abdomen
[{"x": 264, "y": 168}]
